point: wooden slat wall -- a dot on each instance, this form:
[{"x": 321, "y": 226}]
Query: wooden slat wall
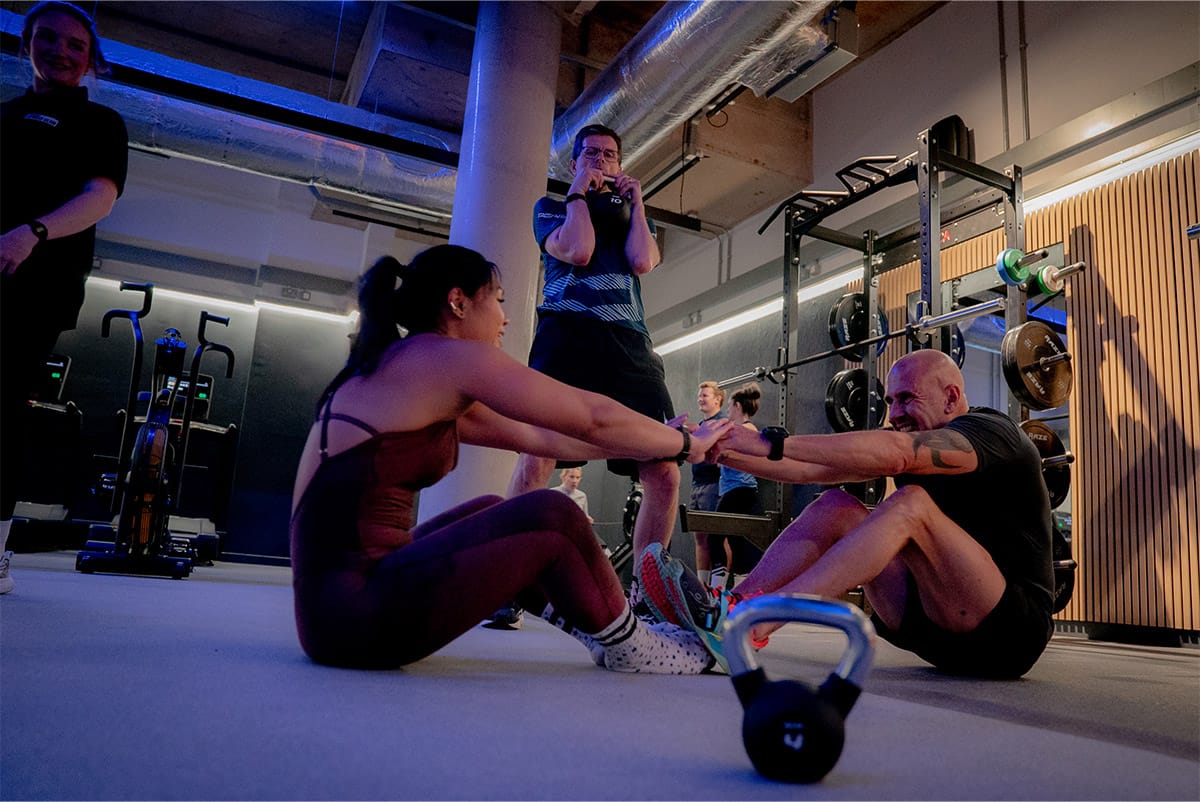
[{"x": 1135, "y": 407}]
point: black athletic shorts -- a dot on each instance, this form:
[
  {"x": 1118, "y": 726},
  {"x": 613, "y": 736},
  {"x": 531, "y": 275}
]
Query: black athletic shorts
[
  {"x": 1005, "y": 645},
  {"x": 604, "y": 358}
]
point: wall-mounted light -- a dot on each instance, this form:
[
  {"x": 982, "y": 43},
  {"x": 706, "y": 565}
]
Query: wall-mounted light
[
  {"x": 312, "y": 314},
  {"x": 774, "y": 306}
]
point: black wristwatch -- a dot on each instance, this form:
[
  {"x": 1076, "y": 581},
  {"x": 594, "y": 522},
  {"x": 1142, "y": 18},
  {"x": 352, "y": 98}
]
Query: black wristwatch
[
  {"x": 39, "y": 230},
  {"x": 682, "y": 456},
  {"x": 775, "y": 435}
]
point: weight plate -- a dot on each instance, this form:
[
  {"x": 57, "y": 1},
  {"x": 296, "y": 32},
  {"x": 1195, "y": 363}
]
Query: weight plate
[
  {"x": 1047, "y": 283},
  {"x": 846, "y": 400},
  {"x": 848, "y": 325},
  {"x": 1058, "y": 477},
  {"x": 1035, "y": 383},
  {"x": 958, "y": 345},
  {"x": 870, "y": 492},
  {"x": 1064, "y": 586},
  {"x": 1008, "y": 265}
]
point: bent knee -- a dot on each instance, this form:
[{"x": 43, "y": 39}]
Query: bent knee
[
  {"x": 837, "y": 503},
  {"x": 910, "y": 499},
  {"x": 554, "y": 511},
  {"x": 661, "y": 473}
]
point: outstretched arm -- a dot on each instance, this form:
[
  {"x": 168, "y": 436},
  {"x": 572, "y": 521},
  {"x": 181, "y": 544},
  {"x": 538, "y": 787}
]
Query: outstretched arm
[
  {"x": 529, "y": 411},
  {"x": 850, "y": 456}
]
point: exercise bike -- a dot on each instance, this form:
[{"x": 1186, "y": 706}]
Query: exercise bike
[{"x": 150, "y": 471}]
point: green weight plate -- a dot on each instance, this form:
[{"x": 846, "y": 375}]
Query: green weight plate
[
  {"x": 1009, "y": 267},
  {"x": 1046, "y": 283},
  {"x": 1037, "y": 385}
]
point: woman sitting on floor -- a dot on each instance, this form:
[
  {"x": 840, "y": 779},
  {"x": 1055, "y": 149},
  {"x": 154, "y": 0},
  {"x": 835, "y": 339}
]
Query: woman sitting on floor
[{"x": 372, "y": 591}]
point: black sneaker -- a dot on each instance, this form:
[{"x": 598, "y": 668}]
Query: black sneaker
[{"x": 509, "y": 617}]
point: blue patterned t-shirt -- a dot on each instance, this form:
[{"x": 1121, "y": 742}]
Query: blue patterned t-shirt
[{"x": 605, "y": 288}]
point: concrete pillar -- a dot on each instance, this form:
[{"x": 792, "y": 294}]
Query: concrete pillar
[{"x": 502, "y": 171}]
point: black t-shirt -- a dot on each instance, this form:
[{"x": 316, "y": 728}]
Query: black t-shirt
[
  {"x": 51, "y": 145},
  {"x": 1003, "y": 504}
]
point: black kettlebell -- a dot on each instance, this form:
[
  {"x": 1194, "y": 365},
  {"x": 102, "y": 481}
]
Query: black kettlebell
[
  {"x": 609, "y": 211},
  {"x": 793, "y": 732}
]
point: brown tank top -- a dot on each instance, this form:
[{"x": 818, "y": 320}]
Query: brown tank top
[{"x": 361, "y": 500}]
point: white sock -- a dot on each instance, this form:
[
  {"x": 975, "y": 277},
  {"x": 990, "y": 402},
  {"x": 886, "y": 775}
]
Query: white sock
[
  {"x": 703, "y": 574},
  {"x": 738, "y": 579},
  {"x": 4, "y": 527},
  {"x": 633, "y": 647},
  {"x": 597, "y": 651}
]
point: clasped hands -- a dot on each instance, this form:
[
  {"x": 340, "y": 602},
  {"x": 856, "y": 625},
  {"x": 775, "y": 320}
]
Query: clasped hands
[
  {"x": 714, "y": 437},
  {"x": 592, "y": 178}
]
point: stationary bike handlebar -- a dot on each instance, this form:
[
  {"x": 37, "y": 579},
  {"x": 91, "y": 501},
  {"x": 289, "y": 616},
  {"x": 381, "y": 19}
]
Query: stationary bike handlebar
[
  {"x": 189, "y": 406},
  {"x": 132, "y": 315}
]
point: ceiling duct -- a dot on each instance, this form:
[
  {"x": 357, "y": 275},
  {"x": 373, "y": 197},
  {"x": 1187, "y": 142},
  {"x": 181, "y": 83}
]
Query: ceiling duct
[
  {"x": 686, "y": 55},
  {"x": 214, "y": 132},
  {"x": 837, "y": 50}
]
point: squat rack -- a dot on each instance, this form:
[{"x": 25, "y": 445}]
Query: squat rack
[{"x": 944, "y": 147}]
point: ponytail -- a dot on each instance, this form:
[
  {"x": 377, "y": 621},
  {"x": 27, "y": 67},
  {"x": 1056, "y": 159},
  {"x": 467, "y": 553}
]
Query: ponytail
[{"x": 388, "y": 312}]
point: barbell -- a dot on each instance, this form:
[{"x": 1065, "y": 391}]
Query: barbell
[
  {"x": 791, "y": 731},
  {"x": 918, "y": 330}
]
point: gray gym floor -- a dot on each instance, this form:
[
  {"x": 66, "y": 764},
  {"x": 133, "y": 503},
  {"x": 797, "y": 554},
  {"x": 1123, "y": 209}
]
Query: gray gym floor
[{"x": 119, "y": 687}]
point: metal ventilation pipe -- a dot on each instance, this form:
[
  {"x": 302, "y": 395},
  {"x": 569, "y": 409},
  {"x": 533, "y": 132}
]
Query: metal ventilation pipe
[
  {"x": 686, "y": 55},
  {"x": 161, "y": 124}
]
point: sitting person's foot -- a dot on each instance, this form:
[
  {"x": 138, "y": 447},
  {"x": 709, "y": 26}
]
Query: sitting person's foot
[
  {"x": 509, "y": 617},
  {"x": 677, "y": 595}
]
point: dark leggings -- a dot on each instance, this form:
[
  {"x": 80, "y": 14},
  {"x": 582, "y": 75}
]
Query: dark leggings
[
  {"x": 744, "y": 501},
  {"x": 461, "y": 566}
]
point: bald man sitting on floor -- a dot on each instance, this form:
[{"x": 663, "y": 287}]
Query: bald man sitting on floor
[{"x": 956, "y": 563}]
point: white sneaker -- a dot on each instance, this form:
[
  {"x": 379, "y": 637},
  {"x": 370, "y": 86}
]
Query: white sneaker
[{"x": 6, "y": 583}]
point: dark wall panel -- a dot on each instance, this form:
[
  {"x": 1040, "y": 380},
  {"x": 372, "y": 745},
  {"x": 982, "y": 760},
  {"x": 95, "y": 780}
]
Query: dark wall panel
[{"x": 294, "y": 358}]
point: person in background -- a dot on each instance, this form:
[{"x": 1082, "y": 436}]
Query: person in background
[
  {"x": 735, "y": 555},
  {"x": 569, "y": 479},
  {"x": 706, "y": 476},
  {"x": 62, "y": 167},
  {"x": 591, "y": 332}
]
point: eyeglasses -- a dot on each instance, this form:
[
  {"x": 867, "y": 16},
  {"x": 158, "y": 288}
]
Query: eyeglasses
[{"x": 596, "y": 153}]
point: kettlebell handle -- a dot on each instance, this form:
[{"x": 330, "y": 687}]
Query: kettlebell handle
[{"x": 776, "y": 607}]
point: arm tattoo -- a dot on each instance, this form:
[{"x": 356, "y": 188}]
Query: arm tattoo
[{"x": 943, "y": 444}]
